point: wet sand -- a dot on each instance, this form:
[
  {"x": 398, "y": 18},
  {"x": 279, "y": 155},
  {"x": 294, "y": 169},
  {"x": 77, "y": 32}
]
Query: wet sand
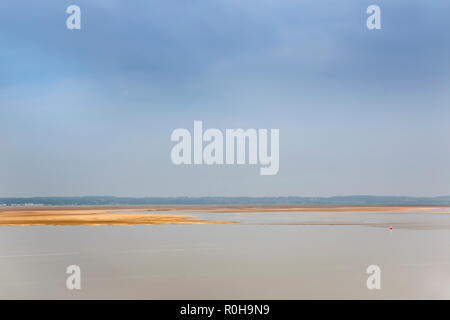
[
  {"x": 90, "y": 216},
  {"x": 132, "y": 215},
  {"x": 327, "y": 209}
]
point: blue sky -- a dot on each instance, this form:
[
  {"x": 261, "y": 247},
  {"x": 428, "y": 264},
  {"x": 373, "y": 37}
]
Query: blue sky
[{"x": 90, "y": 111}]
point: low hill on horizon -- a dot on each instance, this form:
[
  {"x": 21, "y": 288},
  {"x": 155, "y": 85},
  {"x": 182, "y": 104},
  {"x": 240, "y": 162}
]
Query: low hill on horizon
[{"x": 355, "y": 200}]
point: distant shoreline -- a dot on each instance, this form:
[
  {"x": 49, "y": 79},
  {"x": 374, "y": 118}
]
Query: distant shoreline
[{"x": 352, "y": 200}]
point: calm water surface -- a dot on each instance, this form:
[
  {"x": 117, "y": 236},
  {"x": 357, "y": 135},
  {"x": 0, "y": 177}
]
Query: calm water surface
[{"x": 264, "y": 256}]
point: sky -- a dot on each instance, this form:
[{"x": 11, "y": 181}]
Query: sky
[{"x": 91, "y": 111}]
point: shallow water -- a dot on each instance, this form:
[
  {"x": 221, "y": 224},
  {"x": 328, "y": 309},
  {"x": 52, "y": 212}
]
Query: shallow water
[{"x": 267, "y": 255}]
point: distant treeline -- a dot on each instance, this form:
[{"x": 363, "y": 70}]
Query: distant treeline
[{"x": 338, "y": 200}]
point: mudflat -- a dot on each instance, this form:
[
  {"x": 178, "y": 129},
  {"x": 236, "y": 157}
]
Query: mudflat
[
  {"x": 326, "y": 209},
  {"x": 142, "y": 215},
  {"x": 90, "y": 216}
]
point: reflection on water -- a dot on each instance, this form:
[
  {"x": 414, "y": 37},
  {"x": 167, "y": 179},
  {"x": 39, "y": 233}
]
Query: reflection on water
[{"x": 267, "y": 255}]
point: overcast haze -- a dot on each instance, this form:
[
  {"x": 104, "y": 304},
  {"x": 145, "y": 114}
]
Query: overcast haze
[{"x": 91, "y": 111}]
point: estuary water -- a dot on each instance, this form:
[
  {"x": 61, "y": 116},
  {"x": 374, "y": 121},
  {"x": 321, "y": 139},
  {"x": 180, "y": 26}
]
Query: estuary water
[{"x": 265, "y": 255}]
